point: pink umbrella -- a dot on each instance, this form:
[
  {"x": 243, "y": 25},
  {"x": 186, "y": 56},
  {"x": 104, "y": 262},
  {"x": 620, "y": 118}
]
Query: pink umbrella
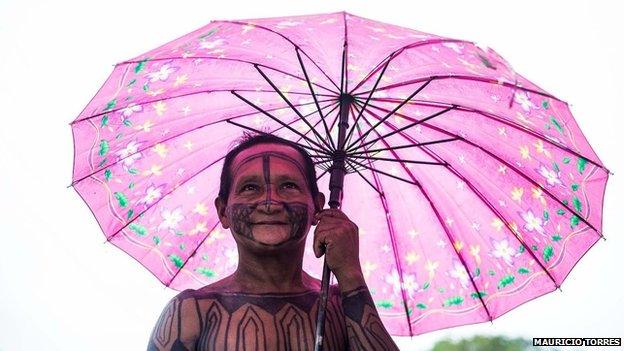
[{"x": 474, "y": 190}]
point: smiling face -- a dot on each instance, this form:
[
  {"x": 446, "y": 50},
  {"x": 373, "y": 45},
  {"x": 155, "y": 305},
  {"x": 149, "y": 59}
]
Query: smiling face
[{"x": 269, "y": 203}]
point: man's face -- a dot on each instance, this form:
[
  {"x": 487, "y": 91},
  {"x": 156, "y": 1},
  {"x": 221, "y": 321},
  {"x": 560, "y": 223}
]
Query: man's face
[{"x": 269, "y": 201}]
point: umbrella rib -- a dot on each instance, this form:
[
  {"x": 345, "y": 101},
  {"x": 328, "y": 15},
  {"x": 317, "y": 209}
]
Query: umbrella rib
[
  {"x": 262, "y": 132},
  {"x": 276, "y": 119},
  {"x": 362, "y": 176},
  {"x": 400, "y": 50},
  {"x": 407, "y": 126},
  {"x": 292, "y": 107},
  {"x": 175, "y": 97},
  {"x": 491, "y": 154},
  {"x": 348, "y": 138},
  {"x": 390, "y": 113},
  {"x": 287, "y": 39},
  {"x": 176, "y": 136},
  {"x": 397, "y": 260},
  {"x": 402, "y": 146},
  {"x": 399, "y": 160},
  {"x": 192, "y": 254},
  {"x": 502, "y": 120},
  {"x": 446, "y": 230},
  {"x": 305, "y": 74},
  {"x": 481, "y": 197},
  {"x": 464, "y": 77}
]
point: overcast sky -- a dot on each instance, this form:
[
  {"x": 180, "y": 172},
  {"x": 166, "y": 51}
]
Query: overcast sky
[{"x": 62, "y": 288}]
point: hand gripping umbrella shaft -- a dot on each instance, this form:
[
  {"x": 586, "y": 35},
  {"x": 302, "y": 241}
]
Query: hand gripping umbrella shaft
[{"x": 336, "y": 181}]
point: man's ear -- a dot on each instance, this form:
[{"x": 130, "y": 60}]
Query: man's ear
[{"x": 220, "y": 206}]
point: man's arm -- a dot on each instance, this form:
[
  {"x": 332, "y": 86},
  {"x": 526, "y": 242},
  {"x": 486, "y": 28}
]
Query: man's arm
[
  {"x": 178, "y": 326},
  {"x": 365, "y": 330}
]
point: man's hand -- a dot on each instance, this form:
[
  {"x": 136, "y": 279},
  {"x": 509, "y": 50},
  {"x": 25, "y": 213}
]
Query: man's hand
[{"x": 339, "y": 235}]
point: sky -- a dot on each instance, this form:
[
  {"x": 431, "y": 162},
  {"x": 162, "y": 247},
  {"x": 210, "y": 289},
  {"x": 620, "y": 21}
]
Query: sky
[{"x": 63, "y": 288}]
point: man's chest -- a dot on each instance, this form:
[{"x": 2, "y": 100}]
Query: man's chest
[{"x": 267, "y": 322}]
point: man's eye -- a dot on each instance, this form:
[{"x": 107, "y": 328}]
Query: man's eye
[
  {"x": 290, "y": 185},
  {"x": 247, "y": 187}
]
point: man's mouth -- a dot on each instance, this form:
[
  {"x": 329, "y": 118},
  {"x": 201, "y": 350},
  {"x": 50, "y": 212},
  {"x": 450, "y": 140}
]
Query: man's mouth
[{"x": 269, "y": 222}]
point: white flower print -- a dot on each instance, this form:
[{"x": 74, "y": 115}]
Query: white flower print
[
  {"x": 171, "y": 218},
  {"x": 130, "y": 109},
  {"x": 503, "y": 250},
  {"x": 522, "y": 98},
  {"x": 210, "y": 44},
  {"x": 162, "y": 74},
  {"x": 129, "y": 154},
  {"x": 533, "y": 222},
  {"x": 459, "y": 272},
  {"x": 409, "y": 283},
  {"x": 152, "y": 193},
  {"x": 551, "y": 176},
  {"x": 394, "y": 280}
]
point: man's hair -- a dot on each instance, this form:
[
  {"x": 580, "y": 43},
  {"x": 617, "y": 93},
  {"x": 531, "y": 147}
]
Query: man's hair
[{"x": 248, "y": 140}]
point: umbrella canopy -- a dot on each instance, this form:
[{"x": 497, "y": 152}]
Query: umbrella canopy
[{"x": 474, "y": 189}]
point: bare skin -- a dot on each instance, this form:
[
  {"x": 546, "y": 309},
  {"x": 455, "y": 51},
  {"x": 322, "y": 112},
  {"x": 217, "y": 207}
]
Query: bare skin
[{"x": 269, "y": 302}]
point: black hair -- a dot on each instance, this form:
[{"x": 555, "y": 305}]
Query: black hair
[{"x": 250, "y": 139}]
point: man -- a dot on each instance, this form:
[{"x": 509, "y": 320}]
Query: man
[{"x": 269, "y": 200}]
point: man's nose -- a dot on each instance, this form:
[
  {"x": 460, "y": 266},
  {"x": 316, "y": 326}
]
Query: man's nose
[{"x": 272, "y": 201}]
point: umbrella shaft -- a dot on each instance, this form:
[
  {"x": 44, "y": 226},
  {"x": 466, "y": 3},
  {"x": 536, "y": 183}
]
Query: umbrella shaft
[{"x": 336, "y": 182}]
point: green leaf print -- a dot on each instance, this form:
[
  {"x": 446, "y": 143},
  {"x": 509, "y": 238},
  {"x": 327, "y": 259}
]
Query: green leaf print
[
  {"x": 127, "y": 122},
  {"x": 441, "y": 290},
  {"x": 103, "y": 147},
  {"x": 130, "y": 213},
  {"x": 580, "y": 164},
  {"x": 205, "y": 271},
  {"x": 108, "y": 175},
  {"x": 486, "y": 62},
  {"x": 546, "y": 215},
  {"x": 475, "y": 295},
  {"x": 524, "y": 270},
  {"x": 104, "y": 121},
  {"x": 506, "y": 280},
  {"x": 176, "y": 260},
  {"x": 205, "y": 257},
  {"x": 131, "y": 83},
  {"x": 491, "y": 272},
  {"x": 131, "y": 185},
  {"x": 534, "y": 247},
  {"x": 121, "y": 198},
  {"x": 521, "y": 249},
  {"x": 118, "y": 136},
  {"x": 566, "y": 160},
  {"x": 545, "y": 104},
  {"x": 556, "y": 124},
  {"x": 138, "y": 229},
  {"x": 556, "y": 237},
  {"x": 548, "y": 253},
  {"x": 577, "y": 204},
  {"x": 560, "y": 212},
  {"x": 140, "y": 65},
  {"x": 574, "y": 221},
  {"x": 209, "y": 33},
  {"x": 145, "y": 87},
  {"x": 574, "y": 186},
  {"x": 477, "y": 272},
  {"x": 110, "y": 105},
  {"x": 426, "y": 285},
  {"x": 102, "y": 163},
  {"x": 455, "y": 300},
  {"x": 421, "y": 305},
  {"x": 156, "y": 239},
  {"x": 410, "y": 311},
  {"x": 384, "y": 304},
  {"x": 133, "y": 171},
  {"x": 182, "y": 247}
]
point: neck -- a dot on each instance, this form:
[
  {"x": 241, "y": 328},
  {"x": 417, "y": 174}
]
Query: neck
[{"x": 279, "y": 272}]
